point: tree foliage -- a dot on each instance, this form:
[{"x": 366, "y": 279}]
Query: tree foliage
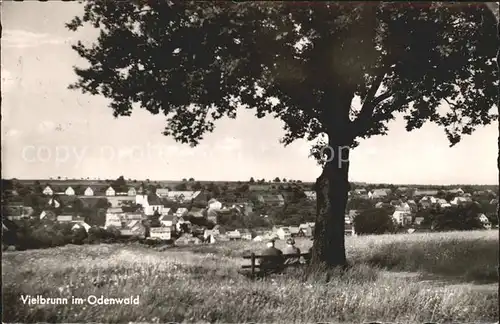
[
  {"x": 458, "y": 218},
  {"x": 373, "y": 221},
  {"x": 120, "y": 185},
  {"x": 197, "y": 62}
]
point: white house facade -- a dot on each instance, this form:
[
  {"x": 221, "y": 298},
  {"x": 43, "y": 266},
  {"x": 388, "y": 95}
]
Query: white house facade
[
  {"x": 110, "y": 191},
  {"x": 48, "y": 191},
  {"x": 69, "y": 191},
  {"x": 88, "y": 192}
]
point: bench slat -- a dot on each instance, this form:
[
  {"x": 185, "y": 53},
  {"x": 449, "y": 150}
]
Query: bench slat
[{"x": 286, "y": 256}]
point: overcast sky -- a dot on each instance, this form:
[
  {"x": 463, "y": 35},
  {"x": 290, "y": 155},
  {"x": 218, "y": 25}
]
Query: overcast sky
[{"x": 49, "y": 131}]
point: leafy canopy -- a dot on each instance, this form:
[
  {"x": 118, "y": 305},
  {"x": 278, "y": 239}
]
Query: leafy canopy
[{"x": 196, "y": 62}]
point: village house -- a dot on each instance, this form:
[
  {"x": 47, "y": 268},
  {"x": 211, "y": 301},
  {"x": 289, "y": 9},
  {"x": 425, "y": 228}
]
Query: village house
[
  {"x": 246, "y": 234},
  {"x": 181, "y": 221},
  {"x": 349, "y": 230},
  {"x": 259, "y": 187},
  {"x": 379, "y": 193},
  {"x": 243, "y": 208},
  {"x": 457, "y": 191},
  {"x": 89, "y": 201},
  {"x": 209, "y": 237},
  {"x": 65, "y": 218},
  {"x": 187, "y": 239},
  {"x": 402, "y": 217},
  {"x": 69, "y": 191},
  {"x": 421, "y": 193},
  {"x": 360, "y": 191},
  {"x": 396, "y": 202},
  {"x": 54, "y": 202},
  {"x": 460, "y": 201},
  {"x": 305, "y": 230},
  {"x": 196, "y": 212},
  {"x": 214, "y": 235},
  {"x": 132, "y": 228},
  {"x": 283, "y": 233},
  {"x": 214, "y": 204},
  {"x": 113, "y": 220},
  {"x": 418, "y": 220},
  {"x": 181, "y": 211},
  {"x": 161, "y": 233},
  {"x": 294, "y": 231},
  {"x": 442, "y": 203},
  {"x": 352, "y": 213},
  {"x": 234, "y": 235},
  {"x": 413, "y": 205},
  {"x": 382, "y": 204},
  {"x": 310, "y": 195},
  {"x": 48, "y": 191},
  {"x": 131, "y": 192},
  {"x": 114, "y": 210},
  {"x": 168, "y": 221},
  {"x": 403, "y": 207},
  {"x": 212, "y": 215},
  {"x": 48, "y": 215},
  {"x": 162, "y": 192},
  {"x": 141, "y": 200},
  {"x": 480, "y": 192},
  {"x": 88, "y": 192},
  {"x": 427, "y": 202},
  {"x": 78, "y": 219},
  {"x": 132, "y": 216},
  {"x": 272, "y": 200},
  {"x": 152, "y": 204},
  {"x": 166, "y": 211},
  {"x": 83, "y": 225},
  {"x": 110, "y": 191},
  {"x": 183, "y": 196},
  {"x": 485, "y": 221}
]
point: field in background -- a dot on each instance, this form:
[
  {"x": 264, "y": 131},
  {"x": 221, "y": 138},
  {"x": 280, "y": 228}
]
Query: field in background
[{"x": 405, "y": 278}]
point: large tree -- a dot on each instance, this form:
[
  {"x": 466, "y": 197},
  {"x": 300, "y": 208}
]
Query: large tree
[
  {"x": 305, "y": 64},
  {"x": 495, "y": 10}
]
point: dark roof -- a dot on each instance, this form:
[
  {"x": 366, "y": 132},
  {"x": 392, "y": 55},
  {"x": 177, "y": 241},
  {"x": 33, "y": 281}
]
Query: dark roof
[
  {"x": 168, "y": 217},
  {"x": 90, "y": 201},
  {"x": 154, "y": 200}
]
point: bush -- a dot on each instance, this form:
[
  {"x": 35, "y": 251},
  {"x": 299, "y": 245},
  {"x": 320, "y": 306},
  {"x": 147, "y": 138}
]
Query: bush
[
  {"x": 101, "y": 235},
  {"x": 374, "y": 221},
  {"x": 36, "y": 234},
  {"x": 79, "y": 236},
  {"x": 456, "y": 218}
]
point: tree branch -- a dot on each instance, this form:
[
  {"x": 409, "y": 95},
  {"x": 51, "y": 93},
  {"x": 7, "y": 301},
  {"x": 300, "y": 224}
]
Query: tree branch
[{"x": 362, "y": 122}]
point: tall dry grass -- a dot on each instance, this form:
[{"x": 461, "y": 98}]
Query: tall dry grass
[{"x": 202, "y": 284}]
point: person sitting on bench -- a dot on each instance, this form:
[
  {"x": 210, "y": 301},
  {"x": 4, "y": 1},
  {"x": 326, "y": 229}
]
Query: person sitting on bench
[
  {"x": 272, "y": 260},
  {"x": 291, "y": 249}
]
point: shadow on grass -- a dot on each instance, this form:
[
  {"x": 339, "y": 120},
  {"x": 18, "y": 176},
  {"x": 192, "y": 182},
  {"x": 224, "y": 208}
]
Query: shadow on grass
[{"x": 474, "y": 262}]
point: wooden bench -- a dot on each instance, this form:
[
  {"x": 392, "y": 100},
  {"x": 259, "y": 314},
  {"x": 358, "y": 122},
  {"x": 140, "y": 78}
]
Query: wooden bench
[{"x": 253, "y": 264}]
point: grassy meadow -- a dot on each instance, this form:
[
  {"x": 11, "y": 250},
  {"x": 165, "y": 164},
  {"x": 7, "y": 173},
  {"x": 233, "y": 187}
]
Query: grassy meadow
[{"x": 412, "y": 278}]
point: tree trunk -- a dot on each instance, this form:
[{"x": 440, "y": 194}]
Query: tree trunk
[
  {"x": 332, "y": 189},
  {"x": 332, "y": 186},
  {"x": 495, "y": 10},
  {"x": 498, "y": 121}
]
